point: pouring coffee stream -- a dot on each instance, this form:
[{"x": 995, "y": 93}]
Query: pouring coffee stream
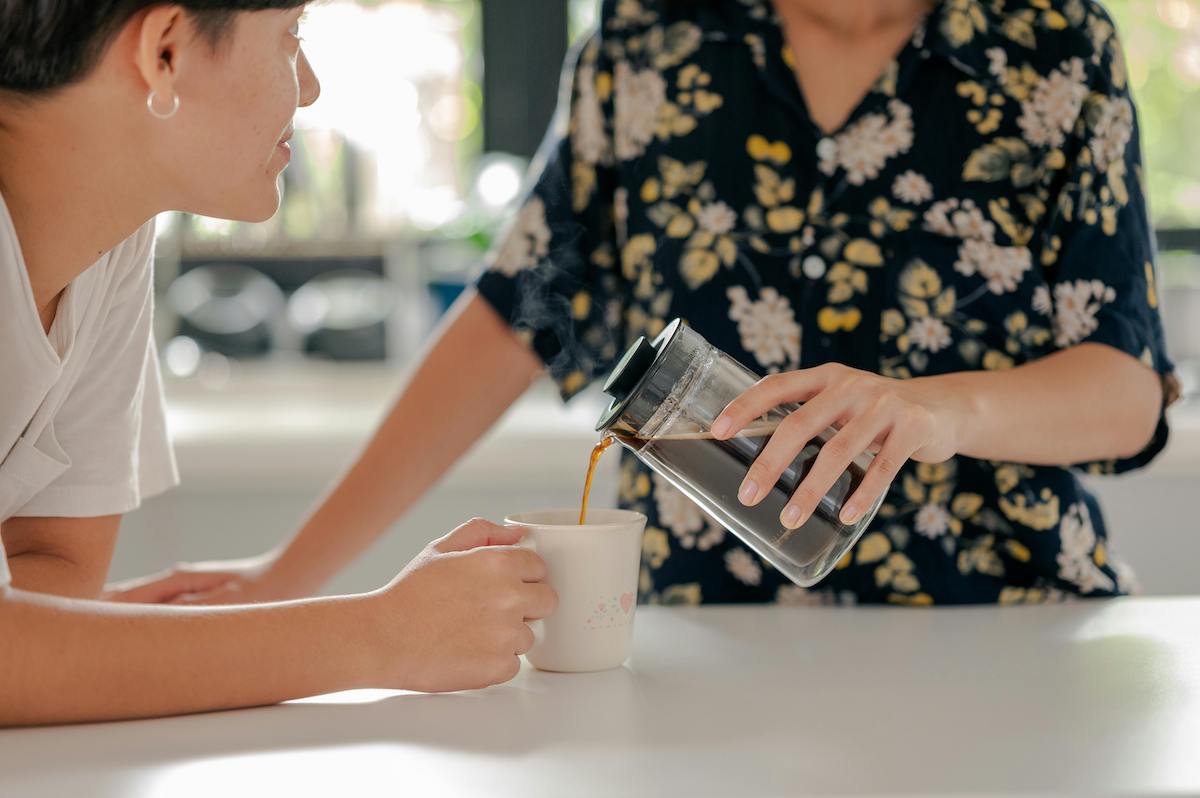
[
  {"x": 597, "y": 453},
  {"x": 666, "y": 395}
]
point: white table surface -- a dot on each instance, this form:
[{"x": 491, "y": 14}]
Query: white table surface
[{"x": 1087, "y": 698}]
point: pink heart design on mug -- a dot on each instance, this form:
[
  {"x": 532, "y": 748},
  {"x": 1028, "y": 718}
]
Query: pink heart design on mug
[{"x": 626, "y": 602}]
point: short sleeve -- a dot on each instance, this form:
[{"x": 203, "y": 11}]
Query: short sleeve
[
  {"x": 5, "y": 575},
  {"x": 112, "y": 425},
  {"x": 1099, "y": 250},
  {"x": 553, "y": 275}
]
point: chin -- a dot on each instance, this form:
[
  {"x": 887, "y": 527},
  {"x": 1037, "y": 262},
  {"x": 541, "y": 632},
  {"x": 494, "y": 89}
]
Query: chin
[{"x": 254, "y": 211}]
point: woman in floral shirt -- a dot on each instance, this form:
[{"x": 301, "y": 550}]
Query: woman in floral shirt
[
  {"x": 959, "y": 273},
  {"x": 979, "y": 210}
]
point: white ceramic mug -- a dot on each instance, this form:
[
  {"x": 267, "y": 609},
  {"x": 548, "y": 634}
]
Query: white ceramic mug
[{"x": 594, "y": 569}]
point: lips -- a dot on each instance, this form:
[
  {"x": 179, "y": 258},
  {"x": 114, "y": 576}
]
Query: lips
[{"x": 287, "y": 136}]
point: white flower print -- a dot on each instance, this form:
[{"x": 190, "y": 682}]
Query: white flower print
[
  {"x": 1075, "y": 307},
  {"x": 716, "y": 218},
  {"x": 744, "y": 566},
  {"x": 929, "y": 333},
  {"x": 527, "y": 241},
  {"x": 959, "y": 219},
  {"x": 687, "y": 522},
  {"x": 1053, "y": 106},
  {"x": 864, "y": 147},
  {"x": 1042, "y": 302},
  {"x": 1002, "y": 267},
  {"x": 932, "y": 520},
  {"x": 638, "y": 97},
  {"x": 589, "y": 142},
  {"x": 1127, "y": 581},
  {"x": 997, "y": 61},
  {"x": 1114, "y": 129},
  {"x": 912, "y": 187},
  {"x": 1075, "y": 559},
  {"x": 767, "y": 327}
]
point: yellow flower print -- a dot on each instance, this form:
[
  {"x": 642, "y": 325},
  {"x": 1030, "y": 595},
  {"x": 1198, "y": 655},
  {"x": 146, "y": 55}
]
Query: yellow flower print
[
  {"x": 682, "y": 595},
  {"x": 760, "y": 149},
  {"x": 966, "y": 505},
  {"x": 574, "y": 382},
  {"x": 698, "y": 266},
  {"x": 678, "y": 177},
  {"x": 884, "y": 217},
  {"x": 915, "y": 600},
  {"x": 637, "y": 265},
  {"x": 656, "y": 547},
  {"x": 897, "y": 572},
  {"x": 633, "y": 484},
  {"x": 892, "y": 323},
  {"x": 920, "y": 281},
  {"x": 581, "y": 305},
  {"x": 961, "y": 20},
  {"x": 770, "y": 189},
  {"x": 863, "y": 252},
  {"x": 997, "y": 361},
  {"x": 1039, "y": 515},
  {"x": 831, "y": 320},
  {"x": 981, "y": 557},
  {"x": 872, "y": 548},
  {"x": 785, "y": 220},
  {"x": 1009, "y": 476}
]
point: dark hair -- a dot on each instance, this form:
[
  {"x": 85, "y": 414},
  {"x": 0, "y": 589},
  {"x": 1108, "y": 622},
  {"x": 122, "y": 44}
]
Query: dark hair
[{"x": 48, "y": 44}]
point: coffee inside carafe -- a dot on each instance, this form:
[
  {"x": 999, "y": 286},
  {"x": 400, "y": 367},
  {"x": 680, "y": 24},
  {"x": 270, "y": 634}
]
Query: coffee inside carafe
[
  {"x": 667, "y": 393},
  {"x": 704, "y": 466}
]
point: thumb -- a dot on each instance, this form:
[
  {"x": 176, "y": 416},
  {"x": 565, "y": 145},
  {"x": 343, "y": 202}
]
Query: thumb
[{"x": 478, "y": 532}]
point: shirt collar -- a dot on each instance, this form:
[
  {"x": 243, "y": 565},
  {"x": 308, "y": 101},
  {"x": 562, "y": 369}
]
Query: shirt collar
[
  {"x": 963, "y": 32},
  {"x": 959, "y": 31}
]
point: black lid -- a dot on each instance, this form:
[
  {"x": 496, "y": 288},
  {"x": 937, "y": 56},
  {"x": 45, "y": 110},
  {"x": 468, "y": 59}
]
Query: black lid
[
  {"x": 632, "y": 366},
  {"x": 630, "y": 376}
]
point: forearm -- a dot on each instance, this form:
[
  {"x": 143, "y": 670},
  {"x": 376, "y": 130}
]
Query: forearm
[
  {"x": 69, "y": 661},
  {"x": 473, "y": 371},
  {"x": 1091, "y": 402}
]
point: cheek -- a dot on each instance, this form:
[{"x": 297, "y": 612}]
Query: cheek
[{"x": 256, "y": 106}]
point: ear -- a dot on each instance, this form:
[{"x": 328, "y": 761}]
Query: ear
[{"x": 160, "y": 35}]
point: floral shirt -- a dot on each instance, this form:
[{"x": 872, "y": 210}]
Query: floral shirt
[{"x": 981, "y": 208}]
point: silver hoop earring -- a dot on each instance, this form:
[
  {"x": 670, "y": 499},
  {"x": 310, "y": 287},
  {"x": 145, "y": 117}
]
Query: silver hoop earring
[{"x": 154, "y": 112}]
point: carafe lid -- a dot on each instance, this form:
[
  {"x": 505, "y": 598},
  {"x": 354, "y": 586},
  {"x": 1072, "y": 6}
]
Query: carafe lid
[{"x": 638, "y": 383}]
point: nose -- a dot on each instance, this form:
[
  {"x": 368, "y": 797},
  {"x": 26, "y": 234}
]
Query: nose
[{"x": 310, "y": 87}]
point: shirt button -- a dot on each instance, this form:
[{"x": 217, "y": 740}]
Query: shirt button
[
  {"x": 814, "y": 267},
  {"x": 826, "y": 149}
]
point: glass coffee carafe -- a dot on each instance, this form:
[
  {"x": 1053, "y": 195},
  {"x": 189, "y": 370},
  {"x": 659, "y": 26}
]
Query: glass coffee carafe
[{"x": 666, "y": 395}]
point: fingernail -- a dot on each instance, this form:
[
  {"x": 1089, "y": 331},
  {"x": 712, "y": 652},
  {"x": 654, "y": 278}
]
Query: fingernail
[
  {"x": 850, "y": 514},
  {"x": 721, "y": 427},
  {"x": 748, "y": 492},
  {"x": 791, "y": 516}
]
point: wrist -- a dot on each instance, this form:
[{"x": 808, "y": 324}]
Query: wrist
[
  {"x": 961, "y": 406},
  {"x": 357, "y": 636},
  {"x": 284, "y": 576}
]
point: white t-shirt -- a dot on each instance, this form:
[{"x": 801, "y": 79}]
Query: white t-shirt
[{"x": 82, "y": 419}]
